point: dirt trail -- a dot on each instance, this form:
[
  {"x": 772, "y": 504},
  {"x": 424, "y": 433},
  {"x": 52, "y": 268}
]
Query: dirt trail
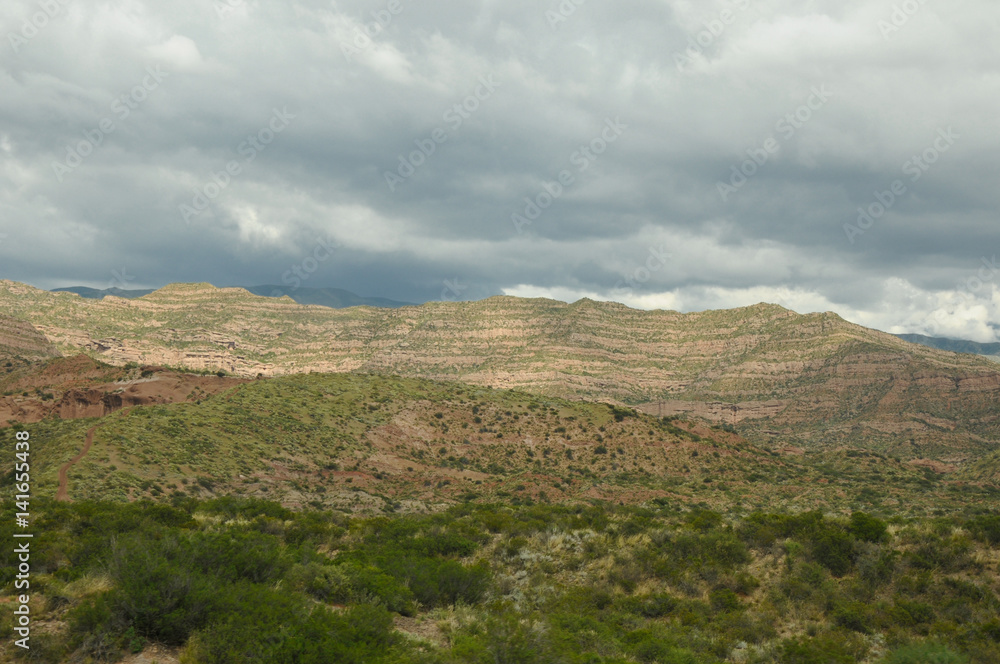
[{"x": 62, "y": 493}]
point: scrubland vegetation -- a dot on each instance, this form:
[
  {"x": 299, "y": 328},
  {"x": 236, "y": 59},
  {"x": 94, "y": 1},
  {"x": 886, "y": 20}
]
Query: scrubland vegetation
[
  {"x": 358, "y": 518},
  {"x": 243, "y": 580},
  {"x": 379, "y": 444}
]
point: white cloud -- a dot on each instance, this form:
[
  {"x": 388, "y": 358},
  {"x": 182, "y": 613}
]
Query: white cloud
[{"x": 178, "y": 53}]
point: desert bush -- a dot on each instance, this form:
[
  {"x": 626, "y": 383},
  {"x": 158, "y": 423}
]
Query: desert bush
[
  {"x": 370, "y": 584},
  {"x": 986, "y": 529},
  {"x": 742, "y": 583},
  {"x": 695, "y": 550},
  {"x": 648, "y": 606},
  {"x": 422, "y": 565},
  {"x": 853, "y": 616},
  {"x": 649, "y": 646},
  {"x": 867, "y": 528},
  {"x": 158, "y": 591},
  {"x": 94, "y": 630},
  {"x": 724, "y": 600},
  {"x": 509, "y": 639},
  {"x": 825, "y": 649},
  {"x": 274, "y": 628},
  {"x": 949, "y": 554},
  {"x": 875, "y": 565},
  {"x": 925, "y": 653},
  {"x": 233, "y": 507},
  {"x": 907, "y": 613},
  {"x": 326, "y": 583},
  {"x": 45, "y": 648},
  {"x": 804, "y": 582},
  {"x": 703, "y": 520},
  {"x": 744, "y": 626},
  {"x": 234, "y": 554}
]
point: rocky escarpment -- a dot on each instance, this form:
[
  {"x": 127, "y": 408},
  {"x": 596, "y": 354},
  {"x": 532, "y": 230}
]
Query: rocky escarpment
[
  {"x": 20, "y": 340},
  {"x": 78, "y": 387}
]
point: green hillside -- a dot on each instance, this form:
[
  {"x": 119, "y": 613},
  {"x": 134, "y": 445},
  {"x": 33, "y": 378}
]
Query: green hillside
[
  {"x": 383, "y": 444},
  {"x": 814, "y": 381}
]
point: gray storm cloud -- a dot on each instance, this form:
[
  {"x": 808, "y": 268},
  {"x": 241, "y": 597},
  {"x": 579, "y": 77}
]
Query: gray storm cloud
[{"x": 830, "y": 156}]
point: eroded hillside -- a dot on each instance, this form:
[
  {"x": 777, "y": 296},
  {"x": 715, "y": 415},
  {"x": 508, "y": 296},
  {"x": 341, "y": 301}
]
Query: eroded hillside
[{"x": 813, "y": 380}]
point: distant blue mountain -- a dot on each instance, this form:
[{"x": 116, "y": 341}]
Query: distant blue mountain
[
  {"x": 335, "y": 298},
  {"x": 954, "y": 345},
  {"x": 96, "y": 294}
]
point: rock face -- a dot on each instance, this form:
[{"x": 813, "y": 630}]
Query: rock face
[
  {"x": 19, "y": 339},
  {"x": 809, "y": 379},
  {"x": 79, "y": 386},
  {"x": 717, "y": 411}
]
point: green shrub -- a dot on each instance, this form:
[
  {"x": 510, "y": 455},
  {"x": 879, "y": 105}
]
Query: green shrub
[
  {"x": 370, "y": 584},
  {"x": 273, "y": 628},
  {"x": 647, "y": 646},
  {"x": 820, "y": 650},
  {"x": 743, "y": 583},
  {"x": 745, "y": 626},
  {"x": 908, "y": 614},
  {"x": 952, "y": 554},
  {"x": 648, "y": 606},
  {"x": 986, "y": 529},
  {"x": 45, "y": 647},
  {"x": 438, "y": 582},
  {"x": 234, "y": 507},
  {"x": 233, "y": 554},
  {"x": 721, "y": 548},
  {"x": 724, "y": 599},
  {"x": 703, "y": 520},
  {"x": 833, "y": 549},
  {"x": 852, "y": 616},
  {"x": 867, "y": 528},
  {"x": 875, "y": 565},
  {"x": 511, "y": 640},
  {"x": 925, "y": 653},
  {"x": 762, "y": 530},
  {"x": 94, "y": 629},
  {"x": 158, "y": 591},
  {"x": 323, "y": 582}
]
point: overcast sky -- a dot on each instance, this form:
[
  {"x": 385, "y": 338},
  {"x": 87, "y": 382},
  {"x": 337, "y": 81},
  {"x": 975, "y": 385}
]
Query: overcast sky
[{"x": 825, "y": 155}]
